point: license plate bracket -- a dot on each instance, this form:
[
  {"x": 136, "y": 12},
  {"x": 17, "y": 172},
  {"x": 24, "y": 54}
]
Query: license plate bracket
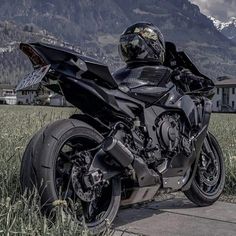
[{"x": 33, "y": 78}]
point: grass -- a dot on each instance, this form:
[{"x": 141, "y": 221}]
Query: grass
[
  {"x": 17, "y": 216},
  {"x": 18, "y": 124},
  {"x": 223, "y": 126}
]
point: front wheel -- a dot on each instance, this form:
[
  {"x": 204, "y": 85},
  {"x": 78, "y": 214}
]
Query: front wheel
[
  {"x": 209, "y": 181},
  {"x": 59, "y": 156}
]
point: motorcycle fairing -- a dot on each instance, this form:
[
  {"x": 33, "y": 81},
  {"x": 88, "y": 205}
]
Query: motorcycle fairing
[
  {"x": 175, "y": 59},
  {"x": 99, "y": 101},
  {"x": 178, "y": 59},
  {"x": 180, "y": 164}
]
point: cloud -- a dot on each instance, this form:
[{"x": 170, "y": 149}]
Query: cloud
[{"x": 221, "y": 9}]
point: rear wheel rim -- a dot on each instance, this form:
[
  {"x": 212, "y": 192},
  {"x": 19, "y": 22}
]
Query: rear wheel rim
[{"x": 96, "y": 211}]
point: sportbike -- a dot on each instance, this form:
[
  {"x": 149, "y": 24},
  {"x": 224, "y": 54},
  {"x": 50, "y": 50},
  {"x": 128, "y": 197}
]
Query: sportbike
[{"x": 128, "y": 143}]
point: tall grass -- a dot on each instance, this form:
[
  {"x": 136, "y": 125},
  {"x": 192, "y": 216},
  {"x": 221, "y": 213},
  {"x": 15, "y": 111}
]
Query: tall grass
[
  {"x": 18, "y": 216},
  {"x": 223, "y": 126}
]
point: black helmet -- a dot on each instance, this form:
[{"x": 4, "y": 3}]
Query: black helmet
[{"x": 142, "y": 42}]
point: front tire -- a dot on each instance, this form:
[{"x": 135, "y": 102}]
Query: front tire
[
  {"x": 49, "y": 167},
  {"x": 209, "y": 181}
]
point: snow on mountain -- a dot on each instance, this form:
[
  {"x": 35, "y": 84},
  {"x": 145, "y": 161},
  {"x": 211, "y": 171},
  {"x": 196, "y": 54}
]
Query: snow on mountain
[
  {"x": 217, "y": 23},
  {"x": 231, "y": 22},
  {"x": 227, "y": 28}
]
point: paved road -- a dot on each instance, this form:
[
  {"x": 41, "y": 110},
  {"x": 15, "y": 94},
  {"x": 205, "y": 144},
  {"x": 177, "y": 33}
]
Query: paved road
[{"x": 177, "y": 217}]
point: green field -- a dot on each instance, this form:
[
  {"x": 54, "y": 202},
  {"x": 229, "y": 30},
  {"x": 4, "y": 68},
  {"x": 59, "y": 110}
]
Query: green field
[{"x": 18, "y": 124}]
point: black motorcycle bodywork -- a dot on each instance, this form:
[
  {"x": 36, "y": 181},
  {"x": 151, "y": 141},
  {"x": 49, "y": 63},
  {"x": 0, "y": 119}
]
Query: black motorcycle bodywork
[{"x": 106, "y": 103}]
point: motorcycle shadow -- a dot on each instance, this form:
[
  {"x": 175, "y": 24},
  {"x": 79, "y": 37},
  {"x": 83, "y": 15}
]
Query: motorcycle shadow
[{"x": 142, "y": 211}]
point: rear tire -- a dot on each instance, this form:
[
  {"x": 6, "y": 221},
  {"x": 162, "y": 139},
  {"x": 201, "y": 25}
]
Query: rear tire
[
  {"x": 40, "y": 163},
  {"x": 27, "y": 174},
  {"x": 200, "y": 194}
]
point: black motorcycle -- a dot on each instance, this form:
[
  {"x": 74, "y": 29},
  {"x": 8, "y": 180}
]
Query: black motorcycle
[{"x": 128, "y": 144}]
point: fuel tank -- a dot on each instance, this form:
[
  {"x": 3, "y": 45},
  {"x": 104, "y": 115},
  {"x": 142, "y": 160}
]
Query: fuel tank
[{"x": 146, "y": 83}]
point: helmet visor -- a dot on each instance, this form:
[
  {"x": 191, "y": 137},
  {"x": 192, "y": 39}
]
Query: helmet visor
[{"x": 132, "y": 47}]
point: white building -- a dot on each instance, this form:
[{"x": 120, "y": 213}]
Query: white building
[
  {"x": 27, "y": 96},
  {"x": 225, "y": 97},
  {"x": 34, "y": 95},
  {"x": 38, "y": 95},
  {"x": 7, "y": 94}
]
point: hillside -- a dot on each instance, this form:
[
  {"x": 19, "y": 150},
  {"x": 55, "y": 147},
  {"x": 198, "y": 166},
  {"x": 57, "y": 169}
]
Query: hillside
[
  {"x": 13, "y": 65},
  {"x": 95, "y": 26}
]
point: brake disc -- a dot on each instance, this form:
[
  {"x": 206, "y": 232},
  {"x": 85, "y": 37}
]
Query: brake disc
[
  {"x": 86, "y": 195},
  {"x": 210, "y": 179}
]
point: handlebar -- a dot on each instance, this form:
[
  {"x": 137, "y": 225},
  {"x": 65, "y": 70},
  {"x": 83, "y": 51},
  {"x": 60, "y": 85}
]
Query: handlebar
[{"x": 191, "y": 83}]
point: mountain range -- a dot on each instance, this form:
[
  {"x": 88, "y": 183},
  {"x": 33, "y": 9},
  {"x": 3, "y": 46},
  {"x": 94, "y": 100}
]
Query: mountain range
[
  {"x": 227, "y": 28},
  {"x": 93, "y": 27}
]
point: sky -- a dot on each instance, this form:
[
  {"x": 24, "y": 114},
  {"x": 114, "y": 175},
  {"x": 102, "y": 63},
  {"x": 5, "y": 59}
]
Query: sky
[{"x": 220, "y": 9}]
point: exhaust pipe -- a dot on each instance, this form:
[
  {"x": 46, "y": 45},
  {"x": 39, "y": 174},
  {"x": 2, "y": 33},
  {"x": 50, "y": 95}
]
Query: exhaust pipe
[{"x": 117, "y": 150}]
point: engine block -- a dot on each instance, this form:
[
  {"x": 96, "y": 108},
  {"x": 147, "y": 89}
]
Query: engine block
[{"x": 172, "y": 136}]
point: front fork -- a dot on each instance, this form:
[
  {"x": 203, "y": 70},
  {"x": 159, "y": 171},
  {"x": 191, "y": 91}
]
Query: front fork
[{"x": 202, "y": 138}]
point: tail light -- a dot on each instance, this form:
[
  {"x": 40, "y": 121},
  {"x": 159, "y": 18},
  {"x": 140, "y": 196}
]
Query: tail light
[{"x": 34, "y": 56}]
